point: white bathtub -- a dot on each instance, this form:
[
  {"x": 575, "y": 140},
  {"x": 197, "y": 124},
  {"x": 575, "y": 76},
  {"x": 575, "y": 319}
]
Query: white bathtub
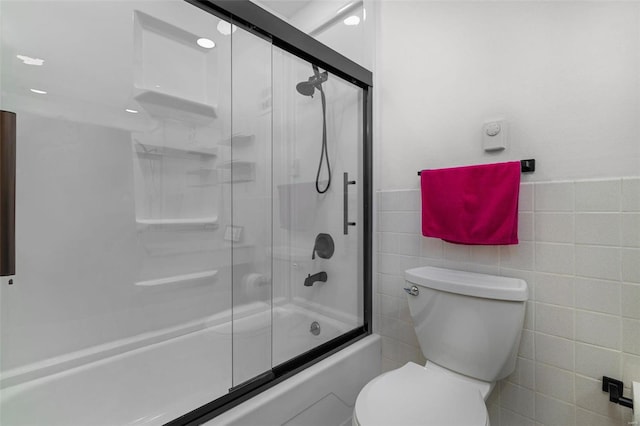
[{"x": 139, "y": 382}]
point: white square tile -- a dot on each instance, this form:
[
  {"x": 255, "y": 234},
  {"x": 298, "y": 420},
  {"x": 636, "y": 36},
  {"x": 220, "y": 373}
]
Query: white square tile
[
  {"x": 403, "y": 309},
  {"x": 518, "y": 256},
  {"x": 554, "y": 227},
  {"x": 598, "y": 195},
  {"x": 509, "y": 418},
  {"x": 398, "y": 330},
  {"x": 399, "y": 352},
  {"x": 554, "y": 382},
  {"x": 526, "y": 372},
  {"x": 630, "y": 368},
  {"x": 554, "y": 320},
  {"x": 630, "y": 265},
  {"x": 431, "y": 247},
  {"x": 595, "y": 362},
  {"x": 457, "y": 252},
  {"x": 587, "y": 418},
  {"x": 493, "y": 412},
  {"x": 556, "y": 258},
  {"x": 630, "y": 229},
  {"x": 401, "y": 200},
  {"x": 631, "y": 336},
  {"x": 631, "y": 301},
  {"x": 403, "y": 221},
  {"x": 486, "y": 255},
  {"x": 388, "y": 365},
  {"x": 525, "y": 226},
  {"x": 518, "y": 399},
  {"x": 555, "y": 351},
  {"x": 526, "y": 349},
  {"x": 598, "y": 262},
  {"x": 405, "y": 244},
  {"x": 598, "y": 295},
  {"x": 598, "y": 229},
  {"x": 598, "y": 329},
  {"x": 553, "y": 412},
  {"x": 554, "y": 289},
  {"x": 388, "y": 306},
  {"x": 390, "y": 285},
  {"x": 631, "y": 194},
  {"x": 525, "y": 198},
  {"x": 554, "y": 196},
  {"x": 529, "y": 315},
  {"x": 386, "y": 243},
  {"x": 589, "y": 395},
  {"x": 393, "y": 264}
]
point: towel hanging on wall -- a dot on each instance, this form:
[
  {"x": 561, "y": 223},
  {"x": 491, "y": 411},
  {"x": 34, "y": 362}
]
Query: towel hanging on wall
[{"x": 475, "y": 205}]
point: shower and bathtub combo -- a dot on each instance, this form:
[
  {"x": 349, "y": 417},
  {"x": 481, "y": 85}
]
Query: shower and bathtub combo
[
  {"x": 185, "y": 228},
  {"x": 183, "y": 221}
]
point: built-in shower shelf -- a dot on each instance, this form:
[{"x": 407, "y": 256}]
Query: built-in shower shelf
[
  {"x": 165, "y": 106},
  {"x": 152, "y": 150},
  {"x": 238, "y": 171},
  {"x": 208, "y": 222},
  {"x": 239, "y": 138},
  {"x": 178, "y": 279}
]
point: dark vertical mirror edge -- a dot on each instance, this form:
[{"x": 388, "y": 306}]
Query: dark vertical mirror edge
[{"x": 7, "y": 193}]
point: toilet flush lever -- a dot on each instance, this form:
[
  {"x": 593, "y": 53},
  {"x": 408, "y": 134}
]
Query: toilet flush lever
[{"x": 413, "y": 291}]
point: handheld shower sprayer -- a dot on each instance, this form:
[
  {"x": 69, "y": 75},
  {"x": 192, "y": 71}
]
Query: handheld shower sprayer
[{"x": 307, "y": 88}]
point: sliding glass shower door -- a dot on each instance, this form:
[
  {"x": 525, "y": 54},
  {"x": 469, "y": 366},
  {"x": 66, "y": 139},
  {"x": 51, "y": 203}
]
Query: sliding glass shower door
[
  {"x": 189, "y": 214},
  {"x": 121, "y": 306},
  {"x": 317, "y": 173}
]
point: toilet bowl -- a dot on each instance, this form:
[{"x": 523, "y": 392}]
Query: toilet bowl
[
  {"x": 468, "y": 326},
  {"x": 416, "y": 395}
]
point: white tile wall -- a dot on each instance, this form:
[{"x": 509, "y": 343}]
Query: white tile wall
[{"x": 580, "y": 253}]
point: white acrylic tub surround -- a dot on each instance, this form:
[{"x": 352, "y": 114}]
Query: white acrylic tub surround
[{"x": 166, "y": 375}]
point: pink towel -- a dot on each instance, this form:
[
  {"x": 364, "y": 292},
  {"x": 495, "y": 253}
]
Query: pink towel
[{"x": 472, "y": 205}]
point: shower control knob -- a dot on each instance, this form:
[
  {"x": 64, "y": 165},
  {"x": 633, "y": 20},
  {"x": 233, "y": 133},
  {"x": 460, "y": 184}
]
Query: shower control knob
[{"x": 413, "y": 291}]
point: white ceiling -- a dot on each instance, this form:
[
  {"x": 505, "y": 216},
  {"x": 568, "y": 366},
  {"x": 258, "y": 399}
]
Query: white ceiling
[{"x": 284, "y": 8}]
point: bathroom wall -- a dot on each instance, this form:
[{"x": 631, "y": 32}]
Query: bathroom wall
[{"x": 566, "y": 76}]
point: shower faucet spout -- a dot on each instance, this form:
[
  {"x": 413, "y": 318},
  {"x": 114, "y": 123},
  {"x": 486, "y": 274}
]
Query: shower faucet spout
[{"x": 311, "y": 279}]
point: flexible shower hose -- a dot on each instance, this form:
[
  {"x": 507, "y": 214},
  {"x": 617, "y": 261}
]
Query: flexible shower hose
[{"x": 324, "y": 153}]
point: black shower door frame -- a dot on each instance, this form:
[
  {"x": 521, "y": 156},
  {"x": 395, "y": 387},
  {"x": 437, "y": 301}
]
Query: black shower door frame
[{"x": 279, "y": 33}]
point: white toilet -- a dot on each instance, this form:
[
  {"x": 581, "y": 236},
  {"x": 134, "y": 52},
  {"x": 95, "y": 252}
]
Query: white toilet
[{"x": 469, "y": 328}]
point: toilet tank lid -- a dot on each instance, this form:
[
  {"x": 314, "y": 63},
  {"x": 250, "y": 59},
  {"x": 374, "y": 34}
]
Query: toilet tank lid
[{"x": 468, "y": 283}]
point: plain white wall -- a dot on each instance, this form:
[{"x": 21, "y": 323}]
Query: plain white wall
[{"x": 565, "y": 75}]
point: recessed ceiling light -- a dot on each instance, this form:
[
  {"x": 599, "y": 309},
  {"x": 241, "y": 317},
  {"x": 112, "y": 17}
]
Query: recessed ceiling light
[
  {"x": 225, "y": 28},
  {"x": 132, "y": 111},
  {"x": 38, "y": 91},
  {"x": 352, "y": 20},
  {"x": 206, "y": 43},
  {"x": 27, "y": 60}
]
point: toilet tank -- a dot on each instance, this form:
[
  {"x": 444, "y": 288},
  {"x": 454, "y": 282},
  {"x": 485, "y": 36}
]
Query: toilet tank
[{"x": 467, "y": 322}]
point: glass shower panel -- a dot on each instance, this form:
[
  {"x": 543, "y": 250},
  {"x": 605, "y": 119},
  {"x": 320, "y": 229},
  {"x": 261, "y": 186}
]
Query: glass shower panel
[
  {"x": 121, "y": 303},
  {"x": 247, "y": 163},
  {"x": 317, "y": 213}
]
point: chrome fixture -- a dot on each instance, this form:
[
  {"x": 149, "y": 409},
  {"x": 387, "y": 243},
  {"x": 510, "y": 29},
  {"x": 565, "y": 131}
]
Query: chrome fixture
[{"x": 413, "y": 291}]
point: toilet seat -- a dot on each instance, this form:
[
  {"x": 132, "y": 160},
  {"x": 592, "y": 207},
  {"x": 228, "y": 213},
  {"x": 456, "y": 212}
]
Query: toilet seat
[{"x": 416, "y": 395}]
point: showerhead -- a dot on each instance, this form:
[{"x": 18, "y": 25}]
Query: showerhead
[{"x": 307, "y": 88}]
